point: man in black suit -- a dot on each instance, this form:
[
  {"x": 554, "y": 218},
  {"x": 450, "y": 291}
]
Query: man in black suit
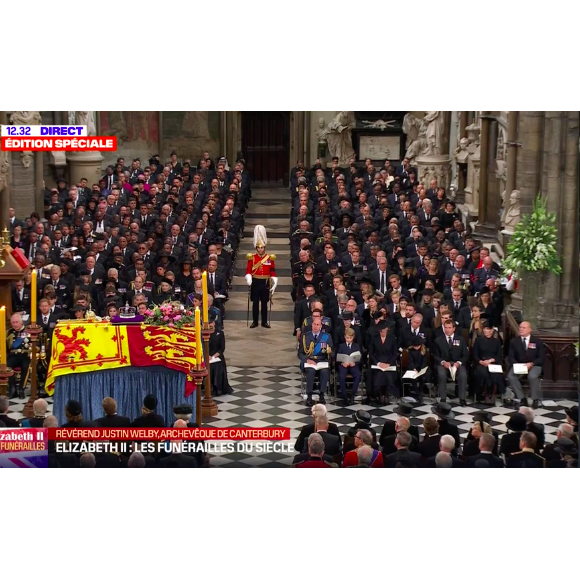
[
  {"x": 416, "y": 328},
  {"x": 536, "y": 428},
  {"x": 302, "y": 308},
  {"x": 486, "y": 445},
  {"x": 405, "y": 411},
  {"x": 451, "y": 351},
  {"x": 481, "y": 275},
  {"x": 380, "y": 276},
  {"x": 332, "y": 442},
  {"x": 388, "y": 446},
  {"x": 510, "y": 442},
  {"x": 526, "y": 349},
  {"x": 8, "y": 421},
  {"x": 446, "y": 445},
  {"x": 110, "y": 418},
  {"x": 403, "y": 457},
  {"x": 20, "y": 297},
  {"x": 218, "y": 281},
  {"x": 317, "y": 412},
  {"x": 429, "y": 447}
]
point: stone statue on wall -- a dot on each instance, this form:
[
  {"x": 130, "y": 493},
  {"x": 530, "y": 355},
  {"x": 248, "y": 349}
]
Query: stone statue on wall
[
  {"x": 434, "y": 121},
  {"x": 26, "y": 157},
  {"x": 339, "y": 136},
  {"x": 461, "y": 152},
  {"x": 321, "y": 135},
  {"x": 26, "y": 118},
  {"x": 87, "y": 118},
  {"x": 4, "y": 169},
  {"x": 511, "y": 216},
  {"x": 416, "y": 131}
]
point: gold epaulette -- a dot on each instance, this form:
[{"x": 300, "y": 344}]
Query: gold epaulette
[
  {"x": 272, "y": 256},
  {"x": 249, "y": 256}
]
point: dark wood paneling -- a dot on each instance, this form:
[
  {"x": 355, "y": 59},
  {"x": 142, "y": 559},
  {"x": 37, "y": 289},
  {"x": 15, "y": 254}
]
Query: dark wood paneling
[{"x": 266, "y": 145}]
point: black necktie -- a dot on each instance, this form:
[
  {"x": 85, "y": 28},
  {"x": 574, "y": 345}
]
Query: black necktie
[
  {"x": 382, "y": 282},
  {"x": 450, "y": 341},
  {"x": 525, "y": 345}
]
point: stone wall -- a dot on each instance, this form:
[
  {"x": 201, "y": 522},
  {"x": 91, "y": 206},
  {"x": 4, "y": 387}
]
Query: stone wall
[
  {"x": 22, "y": 185},
  {"x": 137, "y": 134},
  {"x": 190, "y": 133}
]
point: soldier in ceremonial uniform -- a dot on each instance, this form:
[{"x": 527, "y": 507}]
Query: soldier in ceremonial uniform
[
  {"x": 18, "y": 354},
  {"x": 315, "y": 347},
  {"x": 526, "y": 457},
  {"x": 261, "y": 276}
]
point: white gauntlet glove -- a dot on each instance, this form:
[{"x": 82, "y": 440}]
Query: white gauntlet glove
[
  {"x": 249, "y": 279},
  {"x": 274, "y": 284}
]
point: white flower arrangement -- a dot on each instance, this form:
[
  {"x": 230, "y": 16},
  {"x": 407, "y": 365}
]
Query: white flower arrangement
[{"x": 533, "y": 244}]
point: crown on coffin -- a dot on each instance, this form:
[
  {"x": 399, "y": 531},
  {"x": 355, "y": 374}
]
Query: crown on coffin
[{"x": 127, "y": 311}]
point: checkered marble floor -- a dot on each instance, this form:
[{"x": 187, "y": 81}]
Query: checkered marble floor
[{"x": 270, "y": 397}]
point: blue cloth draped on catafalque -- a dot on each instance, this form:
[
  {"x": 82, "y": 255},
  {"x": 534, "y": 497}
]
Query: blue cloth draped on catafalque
[{"x": 128, "y": 386}]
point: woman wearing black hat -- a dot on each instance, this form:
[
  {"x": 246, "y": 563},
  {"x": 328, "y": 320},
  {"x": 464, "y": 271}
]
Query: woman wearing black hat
[
  {"x": 165, "y": 291},
  {"x": 409, "y": 278},
  {"x": 149, "y": 418},
  {"x": 383, "y": 352},
  {"x": 568, "y": 454},
  {"x": 487, "y": 351}
]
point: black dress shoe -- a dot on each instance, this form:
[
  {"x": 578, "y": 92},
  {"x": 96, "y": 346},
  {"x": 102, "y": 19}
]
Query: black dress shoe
[
  {"x": 322, "y": 400},
  {"x": 266, "y": 325},
  {"x": 463, "y": 403},
  {"x": 443, "y": 399},
  {"x": 309, "y": 402},
  {"x": 21, "y": 394},
  {"x": 536, "y": 404},
  {"x": 253, "y": 325}
]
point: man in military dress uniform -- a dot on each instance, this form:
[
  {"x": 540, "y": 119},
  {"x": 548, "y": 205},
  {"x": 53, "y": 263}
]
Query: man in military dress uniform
[
  {"x": 315, "y": 347},
  {"x": 527, "y": 456},
  {"x": 261, "y": 276},
  {"x": 18, "y": 354}
]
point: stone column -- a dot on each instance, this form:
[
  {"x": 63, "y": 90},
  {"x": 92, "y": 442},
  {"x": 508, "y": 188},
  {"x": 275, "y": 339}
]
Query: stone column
[
  {"x": 512, "y": 151},
  {"x": 558, "y": 305},
  {"x": 223, "y": 134},
  {"x": 4, "y": 180},
  {"x": 483, "y": 164},
  {"x": 307, "y": 154},
  {"x": 230, "y": 136},
  {"x": 87, "y": 164},
  {"x": 529, "y": 170}
]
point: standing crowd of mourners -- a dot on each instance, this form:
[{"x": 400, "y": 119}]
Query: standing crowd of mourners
[
  {"x": 386, "y": 280},
  {"x": 141, "y": 236}
]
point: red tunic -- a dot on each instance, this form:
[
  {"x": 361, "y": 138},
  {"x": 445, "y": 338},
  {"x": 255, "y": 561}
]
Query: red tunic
[
  {"x": 351, "y": 459},
  {"x": 261, "y": 267}
]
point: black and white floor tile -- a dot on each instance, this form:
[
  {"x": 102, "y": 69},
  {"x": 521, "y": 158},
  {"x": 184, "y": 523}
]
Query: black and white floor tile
[{"x": 270, "y": 397}]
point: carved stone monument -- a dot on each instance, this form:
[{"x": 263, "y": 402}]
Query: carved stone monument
[
  {"x": 321, "y": 134},
  {"x": 512, "y": 214},
  {"x": 339, "y": 137},
  {"x": 425, "y": 139}
]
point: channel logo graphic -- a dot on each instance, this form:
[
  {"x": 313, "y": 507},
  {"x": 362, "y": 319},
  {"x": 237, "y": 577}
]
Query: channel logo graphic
[{"x": 24, "y": 448}]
